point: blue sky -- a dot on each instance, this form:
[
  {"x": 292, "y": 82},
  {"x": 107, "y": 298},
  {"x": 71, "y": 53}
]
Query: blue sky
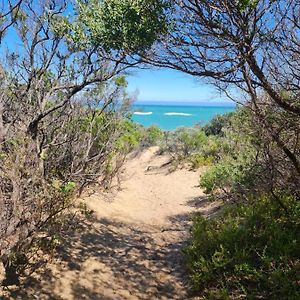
[
  {"x": 171, "y": 86},
  {"x": 154, "y": 85},
  {"x": 164, "y": 86}
]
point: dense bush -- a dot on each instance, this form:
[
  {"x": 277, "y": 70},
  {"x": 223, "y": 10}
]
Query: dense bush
[
  {"x": 151, "y": 136},
  {"x": 248, "y": 160},
  {"x": 188, "y": 145},
  {"x": 39, "y": 178},
  {"x": 250, "y": 251},
  {"x": 62, "y": 111},
  {"x": 216, "y": 125},
  {"x": 130, "y": 138},
  {"x": 230, "y": 176},
  {"x": 199, "y": 160}
]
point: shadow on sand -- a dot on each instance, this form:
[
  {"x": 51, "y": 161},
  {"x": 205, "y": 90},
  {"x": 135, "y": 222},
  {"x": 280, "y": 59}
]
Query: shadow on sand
[{"x": 111, "y": 261}]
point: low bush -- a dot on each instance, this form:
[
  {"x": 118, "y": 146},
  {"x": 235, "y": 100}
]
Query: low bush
[
  {"x": 231, "y": 176},
  {"x": 151, "y": 136},
  {"x": 199, "y": 160},
  {"x": 189, "y": 146},
  {"x": 217, "y": 124},
  {"x": 250, "y": 251},
  {"x": 184, "y": 142}
]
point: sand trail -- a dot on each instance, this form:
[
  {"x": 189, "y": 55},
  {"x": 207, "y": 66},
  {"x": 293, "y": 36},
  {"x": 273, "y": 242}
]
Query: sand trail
[{"x": 132, "y": 250}]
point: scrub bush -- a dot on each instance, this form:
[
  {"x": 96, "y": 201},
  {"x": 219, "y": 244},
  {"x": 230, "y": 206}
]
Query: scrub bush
[{"x": 250, "y": 251}]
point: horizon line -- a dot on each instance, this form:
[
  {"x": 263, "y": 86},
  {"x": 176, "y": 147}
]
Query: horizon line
[{"x": 182, "y": 102}]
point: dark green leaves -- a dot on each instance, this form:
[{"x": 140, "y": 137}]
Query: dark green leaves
[
  {"x": 247, "y": 4},
  {"x": 130, "y": 25}
]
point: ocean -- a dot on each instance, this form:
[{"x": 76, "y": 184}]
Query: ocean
[{"x": 170, "y": 117}]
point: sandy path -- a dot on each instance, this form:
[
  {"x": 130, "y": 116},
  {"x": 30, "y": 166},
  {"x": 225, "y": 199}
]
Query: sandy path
[{"x": 133, "y": 249}]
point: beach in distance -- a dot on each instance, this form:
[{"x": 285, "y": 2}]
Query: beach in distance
[{"x": 174, "y": 115}]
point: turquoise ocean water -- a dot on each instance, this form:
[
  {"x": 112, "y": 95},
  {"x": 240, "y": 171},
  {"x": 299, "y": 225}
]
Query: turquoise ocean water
[{"x": 170, "y": 117}]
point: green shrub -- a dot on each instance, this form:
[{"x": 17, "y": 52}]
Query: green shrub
[
  {"x": 216, "y": 125},
  {"x": 199, "y": 160},
  {"x": 190, "y": 140},
  {"x": 233, "y": 175},
  {"x": 215, "y": 147},
  {"x": 130, "y": 137},
  {"x": 184, "y": 142},
  {"x": 250, "y": 252},
  {"x": 152, "y": 136}
]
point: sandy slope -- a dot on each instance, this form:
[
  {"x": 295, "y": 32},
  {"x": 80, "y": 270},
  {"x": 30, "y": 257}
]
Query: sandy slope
[
  {"x": 133, "y": 249},
  {"x": 149, "y": 194}
]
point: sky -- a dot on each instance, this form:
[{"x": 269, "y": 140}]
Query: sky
[
  {"x": 162, "y": 86},
  {"x": 169, "y": 86},
  {"x": 158, "y": 86}
]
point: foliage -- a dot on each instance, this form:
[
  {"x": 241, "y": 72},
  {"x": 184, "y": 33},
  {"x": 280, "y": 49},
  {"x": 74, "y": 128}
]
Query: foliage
[
  {"x": 61, "y": 127},
  {"x": 38, "y": 188},
  {"x": 199, "y": 160},
  {"x": 137, "y": 137},
  {"x": 189, "y": 146},
  {"x": 249, "y": 161},
  {"x": 236, "y": 168},
  {"x": 152, "y": 135},
  {"x": 130, "y": 138},
  {"x": 228, "y": 176},
  {"x": 130, "y": 25},
  {"x": 216, "y": 125},
  {"x": 250, "y": 251},
  {"x": 243, "y": 4},
  {"x": 185, "y": 141}
]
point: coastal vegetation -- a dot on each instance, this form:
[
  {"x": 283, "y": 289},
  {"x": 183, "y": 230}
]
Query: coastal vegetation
[
  {"x": 64, "y": 121},
  {"x": 249, "y": 49},
  {"x": 65, "y": 124},
  {"x": 251, "y": 249}
]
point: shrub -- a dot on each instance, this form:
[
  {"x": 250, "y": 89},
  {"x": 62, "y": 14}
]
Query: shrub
[
  {"x": 189, "y": 141},
  {"x": 231, "y": 175},
  {"x": 216, "y": 125},
  {"x": 198, "y": 160},
  {"x": 251, "y": 251},
  {"x": 152, "y": 136},
  {"x": 130, "y": 138},
  {"x": 40, "y": 173},
  {"x": 184, "y": 142}
]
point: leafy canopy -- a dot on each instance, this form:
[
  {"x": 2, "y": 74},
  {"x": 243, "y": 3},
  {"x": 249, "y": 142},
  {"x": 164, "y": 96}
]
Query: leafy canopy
[
  {"x": 247, "y": 3},
  {"x": 130, "y": 25}
]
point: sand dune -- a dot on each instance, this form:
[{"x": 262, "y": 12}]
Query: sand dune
[{"x": 133, "y": 248}]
